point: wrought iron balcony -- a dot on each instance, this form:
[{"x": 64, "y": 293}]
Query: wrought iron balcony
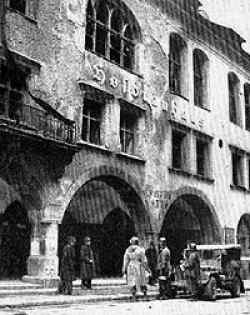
[{"x": 40, "y": 123}]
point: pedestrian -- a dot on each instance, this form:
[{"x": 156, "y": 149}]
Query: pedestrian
[
  {"x": 193, "y": 267},
  {"x": 164, "y": 269},
  {"x": 151, "y": 255},
  {"x": 87, "y": 269},
  {"x": 67, "y": 270},
  {"x": 135, "y": 266}
]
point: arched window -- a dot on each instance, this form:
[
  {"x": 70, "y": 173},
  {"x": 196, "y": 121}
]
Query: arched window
[
  {"x": 200, "y": 71},
  {"x": 112, "y": 32},
  {"x": 247, "y": 105},
  {"x": 177, "y": 65},
  {"x": 234, "y": 98}
]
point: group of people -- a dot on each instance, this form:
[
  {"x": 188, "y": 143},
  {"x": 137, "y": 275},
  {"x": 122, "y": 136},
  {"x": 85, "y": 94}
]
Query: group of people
[
  {"x": 67, "y": 268},
  {"x": 140, "y": 267}
]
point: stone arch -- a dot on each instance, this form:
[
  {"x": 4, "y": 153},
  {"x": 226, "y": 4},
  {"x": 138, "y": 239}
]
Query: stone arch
[
  {"x": 15, "y": 233},
  {"x": 102, "y": 199},
  {"x": 243, "y": 238},
  {"x": 100, "y": 172},
  {"x": 189, "y": 216}
]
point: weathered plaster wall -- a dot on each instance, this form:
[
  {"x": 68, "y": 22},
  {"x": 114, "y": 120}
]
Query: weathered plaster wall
[{"x": 57, "y": 41}]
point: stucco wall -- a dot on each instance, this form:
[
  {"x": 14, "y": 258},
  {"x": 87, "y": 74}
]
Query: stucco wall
[{"x": 56, "y": 40}]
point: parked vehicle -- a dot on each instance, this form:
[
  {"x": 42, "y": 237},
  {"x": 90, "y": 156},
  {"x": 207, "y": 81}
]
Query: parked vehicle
[{"x": 219, "y": 269}]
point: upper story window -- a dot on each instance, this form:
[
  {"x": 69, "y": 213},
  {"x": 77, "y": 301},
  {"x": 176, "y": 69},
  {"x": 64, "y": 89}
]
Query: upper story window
[
  {"x": 202, "y": 156},
  {"x": 112, "y": 32},
  {"x": 179, "y": 148},
  {"x": 12, "y": 90},
  {"x": 127, "y": 132},
  {"x": 177, "y": 65},
  {"x": 26, "y": 7},
  {"x": 200, "y": 62},
  {"x": 247, "y": 105},
  {"x": 237, "y": 167},
  {"x": 234, "y": 98},
  {"x": 91, "y": 123}
]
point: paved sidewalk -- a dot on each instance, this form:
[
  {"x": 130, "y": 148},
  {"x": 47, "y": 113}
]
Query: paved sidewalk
[{"x": 109, "y": 292}]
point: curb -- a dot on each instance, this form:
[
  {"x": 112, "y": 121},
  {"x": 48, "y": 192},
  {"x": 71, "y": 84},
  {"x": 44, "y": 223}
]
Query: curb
[{"x": 81, "y": 300}]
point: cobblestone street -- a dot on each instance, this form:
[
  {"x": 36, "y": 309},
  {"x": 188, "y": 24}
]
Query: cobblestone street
[{"x": 223, "y": 306}]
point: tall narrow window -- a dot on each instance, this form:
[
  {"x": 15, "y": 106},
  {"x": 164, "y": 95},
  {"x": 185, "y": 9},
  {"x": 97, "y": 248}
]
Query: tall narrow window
[
  {"x": 247, "y": 105},
  {"x": 112, "y": 31},
  {"x": 202, "y": 157},
  {"x": 234, "y": 101},
  {"x": 237, "y": 168},
  {"x": 178, "y": 147},
  {"x": 102, "y": 17},
  {"x": 91, "y": 124},
  {"x": 127, "y": 132},
  {"x": 12, "y": 89},
  {"x": 90, "y": 28},
  {"x": 200, "y": 62},
  {"x": 177, "y": 59}
]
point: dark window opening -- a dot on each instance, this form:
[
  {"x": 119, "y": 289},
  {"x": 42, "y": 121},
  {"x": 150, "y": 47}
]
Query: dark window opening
[
  {"x": 176, "y": 64},
  {"x": 111, "y": 33},
  {"x": 233, "y": 86},
  {"x": 91, "y": 124},
  {"x": 18, "y": 5},
  {"x": 177, "y": 149},
  {"x": 237, "y": 169},
  {"x": 201, "y": 157},
  {"x": 127, "y": 133},
  {"x": 247, "y": 106},
  {"x": 200, "y": 61},
  {"x": 12, "y": 89}
]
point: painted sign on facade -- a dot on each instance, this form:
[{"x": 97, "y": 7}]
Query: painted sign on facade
[{"x": 110, "y": 78}]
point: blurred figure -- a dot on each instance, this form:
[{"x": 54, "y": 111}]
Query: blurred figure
[
  {"x": 164, "y": 269},
  {"x": 151, "y": 255},
  {"x": 67, "y": 272},
  {"x": 87, "y": 269},
  {"x": 193, "y": 269},
  {"x": 134, "y": 266}
]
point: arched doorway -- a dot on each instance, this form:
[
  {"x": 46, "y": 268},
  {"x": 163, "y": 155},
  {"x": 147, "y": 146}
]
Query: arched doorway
[
  {"x": 117, "y": 229},
  {"x": 243, "y": 238},
  {"x": 14, "y": 241},
  {"x": 189, "y": 218},
  {"x": 108, "y": 210}
]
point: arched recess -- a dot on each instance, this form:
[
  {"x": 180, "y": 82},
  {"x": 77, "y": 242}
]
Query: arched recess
[
  {"x": 243, "y": 238},
  {"x": 106, "y": 200},
  {"x": 15, "y": 230},
  {"x": 189, "y": 217}
]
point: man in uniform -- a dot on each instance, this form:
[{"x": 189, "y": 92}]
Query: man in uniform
[
  {"x": 87, "y": 269},
  {"x": 67, "y": 272},
  {"x": 164, "y": 269},
  {"x": 194, "y": 269}
]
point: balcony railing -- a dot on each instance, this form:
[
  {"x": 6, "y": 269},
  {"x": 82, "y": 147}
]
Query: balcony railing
[{"x": 44, "y": 124}]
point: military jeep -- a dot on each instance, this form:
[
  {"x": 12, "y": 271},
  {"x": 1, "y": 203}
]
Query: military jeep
[{"x": 219, "y": 269}]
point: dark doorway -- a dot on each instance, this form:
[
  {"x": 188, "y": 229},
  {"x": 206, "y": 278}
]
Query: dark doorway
[
  {"x": 117, "y": 229},
  {"x": 188, "y": 219},
  {"x": 14, "y": 242}
]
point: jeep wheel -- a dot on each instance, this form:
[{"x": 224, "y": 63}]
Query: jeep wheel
[
  {"x": 210, "y": 290},
  {"x": 235, "y": 290}
]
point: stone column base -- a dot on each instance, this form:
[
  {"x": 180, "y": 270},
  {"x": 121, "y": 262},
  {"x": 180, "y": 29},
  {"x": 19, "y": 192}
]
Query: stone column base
[
  {"x": 43, "y": 270},
  {"x": 44, "y": 282}
]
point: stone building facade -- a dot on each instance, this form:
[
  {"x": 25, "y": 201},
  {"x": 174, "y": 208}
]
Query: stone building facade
[{"x": 119, "y": 118}]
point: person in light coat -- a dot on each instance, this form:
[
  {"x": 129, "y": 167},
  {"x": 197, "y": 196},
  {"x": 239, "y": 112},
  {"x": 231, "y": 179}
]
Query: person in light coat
[{"x": 135, "y": 267}]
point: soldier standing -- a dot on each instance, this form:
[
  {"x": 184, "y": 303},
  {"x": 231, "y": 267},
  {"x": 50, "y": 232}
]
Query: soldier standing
[
  {"x": 67, "y": 272},
  {"x": 87, "y": 269},
  {"x": 164, "y": 269}
]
